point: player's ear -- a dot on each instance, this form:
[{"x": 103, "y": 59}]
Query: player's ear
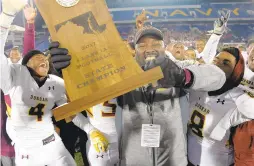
[{"x": 30, "y": 63}]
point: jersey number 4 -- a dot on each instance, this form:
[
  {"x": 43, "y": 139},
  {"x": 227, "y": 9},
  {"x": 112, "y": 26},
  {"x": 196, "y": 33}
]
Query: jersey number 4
[
  {"x": 197, "y": 123},
  {"x": 37, "y": 111}
]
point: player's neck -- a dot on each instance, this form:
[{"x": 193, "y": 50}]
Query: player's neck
[{"x": 39, "y": 80}]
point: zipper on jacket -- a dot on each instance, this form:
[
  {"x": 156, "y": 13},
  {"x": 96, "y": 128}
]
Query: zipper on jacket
[{"x": 149, "y": 97}]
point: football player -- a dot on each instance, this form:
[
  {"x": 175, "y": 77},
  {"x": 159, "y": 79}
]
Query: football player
[
  {"x": 158, "y": 111},
  {"x": 33, "y": 93},
  {"x": 243, "y": 134},
  {"x": 200, "y": 45},
  {"x": 30, "y": 14},
  {"x": 213, "y": 113},
  {"x": 15, "y": 55},
  {"x": 178, "y": 51},
  {"x": 102, "y": 118},
  {"x": 208, "y": 108},
  {"x": 102, "y": 145}
]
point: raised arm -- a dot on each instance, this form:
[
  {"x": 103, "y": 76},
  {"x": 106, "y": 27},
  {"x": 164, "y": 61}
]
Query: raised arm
[
  {"x": 10, "y": 8},
  {"x": 29, "y": 35},
  {"x": 220, "y": 26},
  {"x": 210, "y": 49}
]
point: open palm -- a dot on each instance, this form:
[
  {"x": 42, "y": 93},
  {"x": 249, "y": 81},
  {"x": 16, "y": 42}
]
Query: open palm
[
  {"x": 30, "y": 13},
  {"x": 140, "y": 20}
]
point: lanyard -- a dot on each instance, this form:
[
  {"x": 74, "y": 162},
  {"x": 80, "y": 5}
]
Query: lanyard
[{"x": 149, "y": 99}]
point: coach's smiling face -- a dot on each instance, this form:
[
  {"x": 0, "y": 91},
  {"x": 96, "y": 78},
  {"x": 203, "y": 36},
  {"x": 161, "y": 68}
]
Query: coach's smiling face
[{"x": 148, "y": 48}]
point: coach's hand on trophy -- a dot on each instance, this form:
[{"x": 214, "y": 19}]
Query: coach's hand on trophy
[
  {"x": 12, "y": 7},
  {"x": 59, "y": 57},
  {"x": 99, "y": 141},
  {"x": 220, "y": 25}
]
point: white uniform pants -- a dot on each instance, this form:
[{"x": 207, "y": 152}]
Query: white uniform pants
[{"x": 53, "y": 153}]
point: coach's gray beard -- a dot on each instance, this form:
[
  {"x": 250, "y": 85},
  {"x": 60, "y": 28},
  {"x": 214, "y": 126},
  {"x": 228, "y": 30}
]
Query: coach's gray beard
[
  {"x": 140, "y": 60},
  {"x": 143, "y": 61}
]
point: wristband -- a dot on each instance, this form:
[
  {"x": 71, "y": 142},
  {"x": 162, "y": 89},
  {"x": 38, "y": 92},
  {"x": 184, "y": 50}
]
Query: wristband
[{"x": 187, "y": 76}]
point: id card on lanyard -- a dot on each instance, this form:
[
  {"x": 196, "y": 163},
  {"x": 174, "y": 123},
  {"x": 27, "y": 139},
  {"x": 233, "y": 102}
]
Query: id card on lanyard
[{"x": 150, "y": 136}]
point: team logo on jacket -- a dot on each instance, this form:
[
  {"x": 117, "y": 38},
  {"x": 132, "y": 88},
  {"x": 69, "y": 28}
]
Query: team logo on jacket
[{"x": 67, "y": 3}]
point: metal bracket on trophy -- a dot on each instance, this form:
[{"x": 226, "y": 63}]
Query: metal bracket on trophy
[{"x": 102, "y": 67}]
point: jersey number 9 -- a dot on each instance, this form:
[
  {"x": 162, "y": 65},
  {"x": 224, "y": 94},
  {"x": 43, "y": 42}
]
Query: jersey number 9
[{"x": 37, "y": 111}]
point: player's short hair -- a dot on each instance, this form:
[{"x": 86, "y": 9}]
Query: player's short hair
[
  {"x": 15, "y": 48},
  {"x": 233, "y": 51},
  {"x": 179, "y": 43}
]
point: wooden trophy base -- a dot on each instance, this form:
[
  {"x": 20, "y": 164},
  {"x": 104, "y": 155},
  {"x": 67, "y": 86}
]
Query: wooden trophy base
[{"x": 125, "y": 86}]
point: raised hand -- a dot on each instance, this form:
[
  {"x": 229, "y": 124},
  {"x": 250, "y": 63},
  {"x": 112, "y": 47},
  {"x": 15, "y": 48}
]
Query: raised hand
[
  {"x": 140, "y": 20},
  {"x": 99, "y": 141},
  {"x": 220, "y": 25},
  {"x": 30, "y": 13}
]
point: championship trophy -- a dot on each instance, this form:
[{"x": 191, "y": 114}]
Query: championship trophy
[{"x": 102, "y": 67}]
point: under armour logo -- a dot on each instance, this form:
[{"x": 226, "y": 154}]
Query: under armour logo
[
  {"x": 53, "y": 87},
  {"x": 24, "y": 156},
  {"x": 221, "y": 101},
  {"x": 98, "y": 156}
]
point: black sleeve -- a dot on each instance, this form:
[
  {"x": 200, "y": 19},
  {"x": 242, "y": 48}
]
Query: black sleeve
[
  {"x": 60, "y": 123},
  {"x": 119, "y": 100}
]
